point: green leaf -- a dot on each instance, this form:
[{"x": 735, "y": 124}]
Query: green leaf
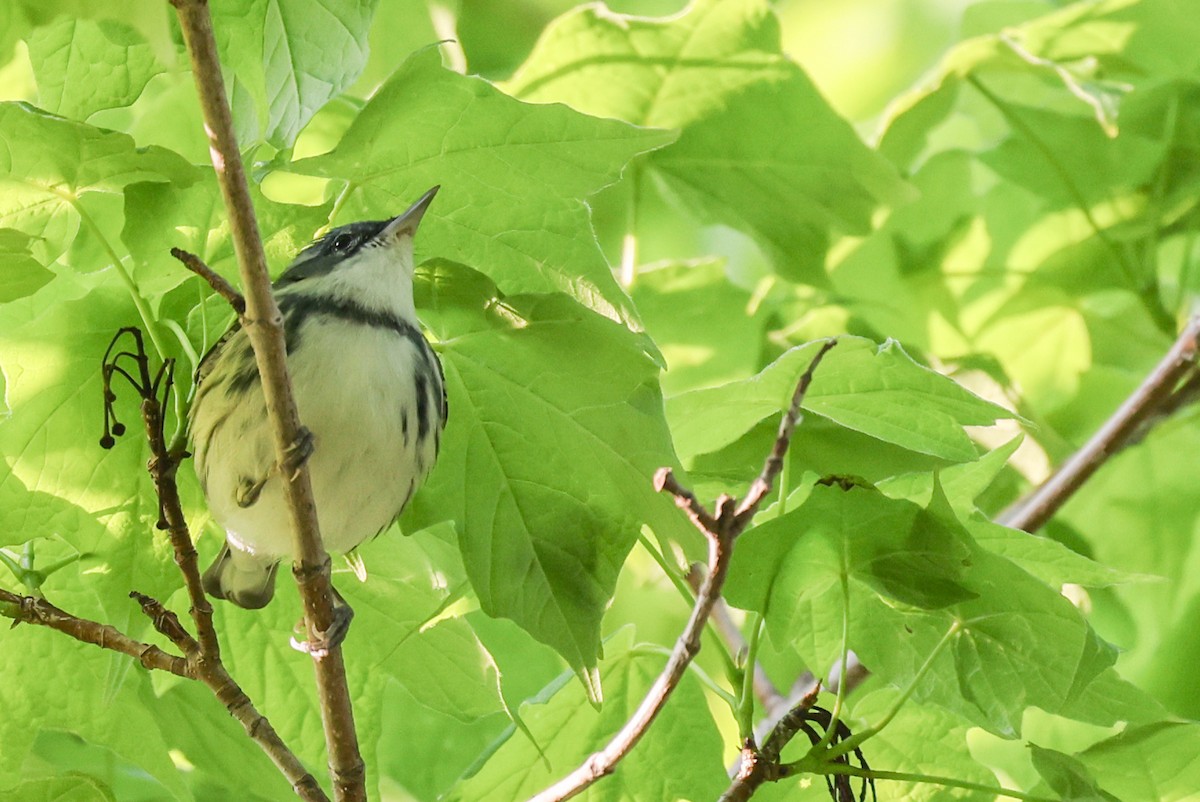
[
  {"x": 779, "y": 165},
  {"x": 1148, "y": 763},
  {"x": 256, "y": 649},
  {"x": 284, "y": 60},
  {"x": 398, "y": 28},
  {"x": 876, "y": 390},
  {"x": 962, "y": 483},
  {"x": 424, "y": 752},
  {"x": 402, "y": 633},
  {"x": 55, "y": 479},
  {"x": 685, "y": 66},
  {"x": 59, "y": 178},
  {"x": 896, "y": 548},
  {"x": 71, "y": 788},
  {"x": 1068, "y": 777},
  {"x": 680, "y": 757},
  {"x": 23, "y": 275},
  {"x": 49, "y": 463},
  {"x": 920, "y": 740},
  {"x": 201, "y": 731},
  {"x": 760, "y": 148},
  {"x": 1139, "y": 514},
  {"x": 413, "y": 639},
  {"x": 1047, "y": 559},
  {"x": 999, "y": 663},
  {"x": 547, "y": 459},
  {"x": 161, "y": 216},
  {"x": 914, "y": 580},
  {"x": 495, "y": 159},
  {"x": 84, "y": 66},
  {"x": 699, "y": 321},
  {"x": 48, "y": 681}
]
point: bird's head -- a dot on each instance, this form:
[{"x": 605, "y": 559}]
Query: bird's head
[{"x": 371, "y": 257}]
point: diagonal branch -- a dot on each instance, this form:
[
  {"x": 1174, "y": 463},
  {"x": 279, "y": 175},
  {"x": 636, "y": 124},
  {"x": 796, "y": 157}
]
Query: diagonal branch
[
  {"x": 774, "y": 463},
  {"x": 264, "y": 326},
  {"x": 1160, "y": 391},
  {"x": 720, "y": 529},
  {"x": 215, "y": 280}
]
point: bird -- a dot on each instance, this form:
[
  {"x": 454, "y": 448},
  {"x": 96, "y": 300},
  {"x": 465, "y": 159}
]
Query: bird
[{"x": 368, "y": 387}]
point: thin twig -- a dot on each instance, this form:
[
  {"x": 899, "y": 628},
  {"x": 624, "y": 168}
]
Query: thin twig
[
  {"x": 201, "y": 654},
  {"x": 806, "y": 684},
  {"x": 760, "y": 766},
  {"x": 1158, "y": 390},
  {"x": 34, "y": 610},
  {"x": 769, "y": 696},
  {"x": 264, "y": 326},
  {"x": 761, "y": 487},
  {"x": 163, "y": 466},
  {"x": 215, "y": 280},
  {"x": 720, "y": 529},
  {"x": 665, "y": 482}
]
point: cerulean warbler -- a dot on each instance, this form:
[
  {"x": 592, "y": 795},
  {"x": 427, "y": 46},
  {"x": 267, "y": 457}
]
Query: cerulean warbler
[{"x": 367, "y": 385}]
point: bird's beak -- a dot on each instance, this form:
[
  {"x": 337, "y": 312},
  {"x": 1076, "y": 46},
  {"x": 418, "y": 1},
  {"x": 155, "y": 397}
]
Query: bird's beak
[{"x": 406, "y": 224}]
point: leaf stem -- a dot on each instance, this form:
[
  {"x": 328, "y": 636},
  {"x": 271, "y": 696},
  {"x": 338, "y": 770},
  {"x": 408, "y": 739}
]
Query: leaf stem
[
  {"x": 849, "y": 744},
  {"x": 340, "y": 201},
  {"x": 703, "y": 676},
  {"x": 839, "y": 698},
  {"x": 12, "y": 565},
  {"x": 745, "y": 708}
]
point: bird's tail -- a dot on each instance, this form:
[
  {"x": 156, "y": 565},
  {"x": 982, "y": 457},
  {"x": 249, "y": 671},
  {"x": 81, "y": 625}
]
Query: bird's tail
[{"x": 242, "y": 578}]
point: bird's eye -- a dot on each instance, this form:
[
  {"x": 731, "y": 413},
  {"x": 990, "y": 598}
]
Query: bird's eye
[{"x": 342, "y": 242}]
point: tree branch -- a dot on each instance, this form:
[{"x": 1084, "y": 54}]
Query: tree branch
[
  {"x": 720, "y": 529},
  {"x": 201, "y": 655},
  {"x": 264, "y": 326},
  {"x": 34, "y": 610},
  {"x": 761, "y": 766},
  {"x": 215, "y": 280},
  {"x": 774, "y": 463},
  {"x": 770, "y": 697},
  {"x": 1160, "y": 390}
]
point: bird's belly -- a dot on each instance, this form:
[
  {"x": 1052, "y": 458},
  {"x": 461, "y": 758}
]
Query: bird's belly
[{"x": 356, "y": 392}]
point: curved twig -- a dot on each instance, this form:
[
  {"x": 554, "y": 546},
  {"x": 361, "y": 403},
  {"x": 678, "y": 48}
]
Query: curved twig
[{"x": 720, "y": 529}]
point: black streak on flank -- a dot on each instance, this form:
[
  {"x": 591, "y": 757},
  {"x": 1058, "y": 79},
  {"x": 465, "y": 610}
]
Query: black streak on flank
[
  {"x": 422, "y": 405},
  {"x": 440, "y": 393},
  {"x": 247, "y": 375}
]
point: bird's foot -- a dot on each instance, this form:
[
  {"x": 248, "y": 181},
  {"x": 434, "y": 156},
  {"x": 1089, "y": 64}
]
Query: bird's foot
[
  {"x": 328, "y": 640},
  {"x": 298, "y": 452},
  {"x": 248, "y": 490}
]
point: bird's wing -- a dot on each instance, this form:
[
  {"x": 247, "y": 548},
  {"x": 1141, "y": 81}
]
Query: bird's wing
[{"x": 210, "y": 357}]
